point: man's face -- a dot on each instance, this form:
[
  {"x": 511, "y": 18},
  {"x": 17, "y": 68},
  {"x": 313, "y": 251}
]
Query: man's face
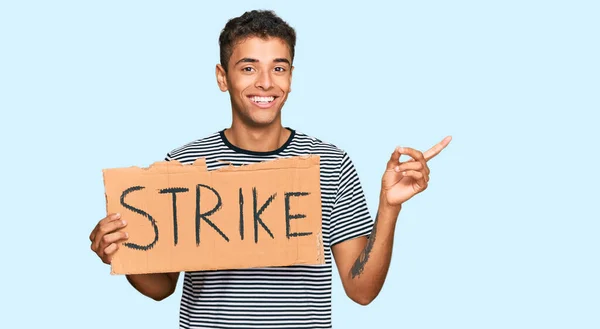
[{"x": 259, "y": 80}]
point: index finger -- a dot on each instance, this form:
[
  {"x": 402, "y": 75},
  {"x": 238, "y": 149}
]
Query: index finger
[{"x": 437, "y": 148}]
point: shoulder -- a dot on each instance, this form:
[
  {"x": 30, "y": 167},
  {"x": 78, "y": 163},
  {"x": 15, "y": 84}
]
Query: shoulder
[
  {"x": 196, "y": 148},
  {"x": 334, "y": 160},
  {"x": 318, "y": 146}
]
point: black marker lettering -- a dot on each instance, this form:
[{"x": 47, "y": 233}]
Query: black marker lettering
[
  {"x": 143, "y": 213},
  {"x": 289, "y": 217},
  {"x": 241, "y": 215},
  {"x": 258, "y": 213},
  {"x": 205, "y": 215},
  {"x": 174, "y": 191}
]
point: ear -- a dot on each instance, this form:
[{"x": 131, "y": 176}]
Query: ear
[{"x": 221, "y": 77}]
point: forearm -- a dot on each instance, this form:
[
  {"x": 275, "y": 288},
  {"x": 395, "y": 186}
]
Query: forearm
[
  {"x": 368, "y": 273},
  {"x": 157, "y": 286}
]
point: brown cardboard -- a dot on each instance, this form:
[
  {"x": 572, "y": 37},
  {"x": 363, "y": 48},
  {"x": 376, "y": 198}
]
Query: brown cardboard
[{"x": 142, "y": 194}]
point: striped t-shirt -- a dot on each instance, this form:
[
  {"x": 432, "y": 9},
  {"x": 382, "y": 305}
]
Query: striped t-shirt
[{"x": 296, "y": 296}]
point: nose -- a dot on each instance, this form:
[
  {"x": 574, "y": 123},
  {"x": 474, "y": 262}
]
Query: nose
[{"x": 264, "y": 80}]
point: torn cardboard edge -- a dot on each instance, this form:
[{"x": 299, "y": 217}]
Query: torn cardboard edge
[{"x": 303, "y": 161}]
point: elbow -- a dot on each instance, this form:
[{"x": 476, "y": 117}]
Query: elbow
[
  {"x": 363, "y": 298},
  {"x": 363, "y": 291},
  {"x": 152, "y": 286},
  {"x": 160, "y": 297}
]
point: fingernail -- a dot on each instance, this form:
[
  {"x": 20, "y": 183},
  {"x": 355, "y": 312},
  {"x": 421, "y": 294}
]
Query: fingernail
[
  {"x": 400, "y": 149},
  {"x": 397, "y": 169},
  {"x": 126, "y": 234},
  {"x": 123, "y": 222},
  {"x": 117, "y": 216}
]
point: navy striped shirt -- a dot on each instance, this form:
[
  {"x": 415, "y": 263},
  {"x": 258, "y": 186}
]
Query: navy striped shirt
[{"x": 276, "y": 297}]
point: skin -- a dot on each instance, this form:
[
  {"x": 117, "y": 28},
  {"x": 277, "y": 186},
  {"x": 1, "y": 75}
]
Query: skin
[
  {"x": 264, "y": 67},
  {"x": 257, "y": 67}
]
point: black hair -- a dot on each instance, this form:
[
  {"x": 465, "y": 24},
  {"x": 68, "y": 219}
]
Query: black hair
[{"x": 255, "y": 23}]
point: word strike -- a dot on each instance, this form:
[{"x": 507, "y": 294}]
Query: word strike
[{"x": 205, "y": 216}]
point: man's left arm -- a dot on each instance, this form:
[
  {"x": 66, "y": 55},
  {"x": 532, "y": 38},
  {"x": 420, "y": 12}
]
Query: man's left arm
[{"x": 363, "y": 262}]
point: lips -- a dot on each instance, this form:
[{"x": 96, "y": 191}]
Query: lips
[{"x": 263, "y": 101}]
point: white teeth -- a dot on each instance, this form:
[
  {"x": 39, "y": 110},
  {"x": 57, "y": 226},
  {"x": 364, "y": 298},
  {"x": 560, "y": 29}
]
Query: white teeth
[{"x": 259, "y": 99}]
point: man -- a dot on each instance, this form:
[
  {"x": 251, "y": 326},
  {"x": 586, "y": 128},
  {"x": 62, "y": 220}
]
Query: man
[{"x": 256, "y": 64}]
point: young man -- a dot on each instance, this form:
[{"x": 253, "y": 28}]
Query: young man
[{"x": 257, "y": 52}]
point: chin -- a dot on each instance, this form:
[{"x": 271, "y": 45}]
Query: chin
[
  {"x": 261, "y": 117},
  {"x": 262, "y": 121}
]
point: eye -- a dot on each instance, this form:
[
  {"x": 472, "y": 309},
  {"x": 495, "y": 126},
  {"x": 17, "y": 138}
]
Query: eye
[
  {"x": 280, "y": 69},
  {"x": 248, "y": 69}
]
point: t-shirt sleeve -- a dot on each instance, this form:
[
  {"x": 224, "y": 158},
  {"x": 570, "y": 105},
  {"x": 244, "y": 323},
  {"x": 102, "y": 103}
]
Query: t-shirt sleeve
[{"x": 350, "y": 217}]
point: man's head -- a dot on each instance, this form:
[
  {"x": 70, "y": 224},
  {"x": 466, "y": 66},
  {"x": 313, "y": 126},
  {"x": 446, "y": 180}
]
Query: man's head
[
  {"x": 255, "y": 23},
  {"x": 256, "y": 56}
]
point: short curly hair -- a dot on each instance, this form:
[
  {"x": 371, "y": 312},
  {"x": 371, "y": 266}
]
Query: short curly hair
[{"x": 255, "y": 23}]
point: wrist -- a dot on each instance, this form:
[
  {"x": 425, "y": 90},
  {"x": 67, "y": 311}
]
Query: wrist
[{"x": 386, "y": 208}]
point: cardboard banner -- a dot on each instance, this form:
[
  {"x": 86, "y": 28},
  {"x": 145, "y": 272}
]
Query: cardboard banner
[{"x": 187, "y": 218}]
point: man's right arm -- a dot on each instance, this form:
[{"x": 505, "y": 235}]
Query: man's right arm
[
  {"x": 157, "y": 286},
  {"x": 105, "y": 239}
]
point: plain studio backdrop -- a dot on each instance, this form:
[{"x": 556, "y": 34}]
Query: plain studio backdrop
[{"x": 506, "y": 235}]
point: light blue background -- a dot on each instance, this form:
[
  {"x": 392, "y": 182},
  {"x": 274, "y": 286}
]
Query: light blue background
[{"x": 506, "y": 235}]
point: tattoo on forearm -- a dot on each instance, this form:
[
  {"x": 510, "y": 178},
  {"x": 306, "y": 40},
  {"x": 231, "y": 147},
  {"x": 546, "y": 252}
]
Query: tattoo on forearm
[{"x": 363, "y": 258}]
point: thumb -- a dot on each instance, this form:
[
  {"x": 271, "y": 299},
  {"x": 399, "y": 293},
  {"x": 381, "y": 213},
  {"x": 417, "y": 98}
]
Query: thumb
[{"x": 394, "y": 160}]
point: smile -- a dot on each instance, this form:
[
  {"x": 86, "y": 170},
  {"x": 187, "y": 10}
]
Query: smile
[{"x": 262, "y": 101}]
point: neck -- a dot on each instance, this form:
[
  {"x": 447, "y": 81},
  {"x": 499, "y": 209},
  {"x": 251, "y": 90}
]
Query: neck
[{"x": 257, "y": 139}]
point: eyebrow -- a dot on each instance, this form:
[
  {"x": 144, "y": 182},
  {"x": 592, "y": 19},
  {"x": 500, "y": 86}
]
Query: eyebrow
[{"x": 254, "y": 60}]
